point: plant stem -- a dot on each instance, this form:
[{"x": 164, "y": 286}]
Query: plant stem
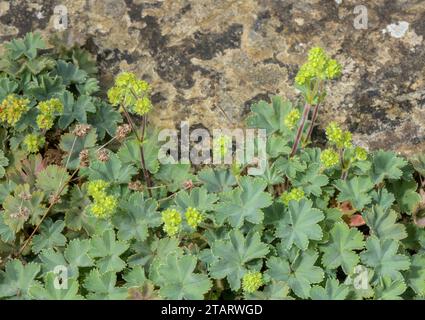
[
  {"x": 142, "y": 157},
  {"x": 45, "y": 214},
  {"x": 313, "y": 120},
  {"x": 300, "y": 129},
  {"x": 344, "y": 171}
]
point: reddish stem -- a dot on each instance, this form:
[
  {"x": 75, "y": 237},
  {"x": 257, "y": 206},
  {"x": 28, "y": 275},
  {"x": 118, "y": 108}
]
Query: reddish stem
[
  {"x": 300, "y": 129},
  {"x": 313, "y": 120}
]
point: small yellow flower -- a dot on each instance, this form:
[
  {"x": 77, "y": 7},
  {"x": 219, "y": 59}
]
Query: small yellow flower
[
  {"x": 252, "y": 281},
  {"x": 132, "y": 93},
  {"x": 295, "y": 194},
  {"x": 193, "y": 217},
  {"x": 97, "y": 188},
  {"x": 172, "y": 220},
  {"x": 12, "y": 108},
  {"x": 335, "y": 135},
  {"x": 104, "y": 206},
  {"x": 33, "y": 142},
  {"x": 292, "y": 118},
  {"x": 329, "y": 158},
  {"x": 142, "y": 106},
  {"x": 49, "y": 109},
  {"x": 318, "y": 66},
  {"x": 360, "y": 154}
]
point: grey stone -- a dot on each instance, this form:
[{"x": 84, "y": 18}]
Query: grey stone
[{"x": 209, "y": 60}]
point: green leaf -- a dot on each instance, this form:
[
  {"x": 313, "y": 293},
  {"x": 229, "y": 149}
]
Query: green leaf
[
  {"x": 174, "y": 175},
  {"x": 290, "y": 167},
  {"x": 84, "y": 60},
  {"x": 277, "y": 290},
  {"x": 76, "y": 255},
  {"x": 244, "y": 203},
  {"x": 386, "y": 165},
  {"x": 355, "y": 190},
  {"x": 297, "y": 269},
  {"x": 340, "y": 249},
  {"x": 416, "y": 275},
  {"x": 383, "y": 198},
  {"x": 382, "y": 224},
  {"x": 50, "y": 292},
  {"x": 113, "y": 170},
  {"x": 45, "y": 87},
  {"x": 7, "y": 87},
  {"x": 332, "y": 291},
  {"x": 69, "y": 73},
  {"x": 90, "y": 86},
  {"x": 105, "y": 120},
  {"x": 23, "y": 206},
  {"x": 75, "y": 215},
  {"x": 405, "y": 193},
  {"x": 217, "y": 180},
  {"x": 270, "y": 116},
  {"x": 311, "y": 181},
  {"x": 272, "y": 175},
  {"x": 6, "y": 232},
  {"x": 129, "y": 153},
  {"x": 108, "y": 249},
  {"x": 4, "y": 162},
  {"x": 389, "y": 289},
  {"x": 16, "y": 279},
  {"x": 135, "y": 278},
  {"x": 198, "y": 198},
  {"x": 418, "y": 162},
  {"x": 102, "y": 286},
  {"x": 178, "y": 280},
  {"x": 52, "y": 179},
  {"x": 73, "y": 145},
  {"x": 234, "y": 254},
  {"x": 136, "y": 215},
  {"x": 27, "y": 46},
  {"x": 300, "y": 224},
  {"x": 277, "y": 146},
  {"x": 75, "y": 110},
  {"x": 50, "y": 236},
  {"x": 381, "y": 255}
]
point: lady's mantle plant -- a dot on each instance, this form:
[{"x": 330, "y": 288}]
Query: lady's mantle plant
[{"x": 81, "y": 188}]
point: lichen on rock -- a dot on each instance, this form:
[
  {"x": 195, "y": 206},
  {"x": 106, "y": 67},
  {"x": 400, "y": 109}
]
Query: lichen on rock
[{"x": 209, "y": 60}]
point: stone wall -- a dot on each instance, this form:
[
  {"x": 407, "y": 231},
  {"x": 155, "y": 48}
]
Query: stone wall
[{"x": 209, "y": 60}]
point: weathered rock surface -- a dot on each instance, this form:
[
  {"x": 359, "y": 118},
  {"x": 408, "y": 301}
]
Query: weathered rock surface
[{"x": 208, "y": 60}]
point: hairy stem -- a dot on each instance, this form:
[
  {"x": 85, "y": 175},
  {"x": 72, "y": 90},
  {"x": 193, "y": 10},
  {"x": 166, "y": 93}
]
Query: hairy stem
[
  {"x": 45, "y": 214},
  {"x": 313, "y": 120},
  {"x": 142, "y": 157},
  {"x": 300, "y": 129}
]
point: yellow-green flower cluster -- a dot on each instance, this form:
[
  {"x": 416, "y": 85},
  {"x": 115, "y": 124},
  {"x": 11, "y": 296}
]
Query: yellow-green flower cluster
[
  {"x": 172, "y": 220},
  {"x": 12, "y": 108},
  {"x": 193, "y": 217},
  {"x": 103, "y": 205},
  {"x": 252, "y": 281},
  {"x": 131, "y": 92},
  {"x": 48, "y": 111},
  {"x": 335, "y": 135},
  {"x": 221, "y": 145},
  {"x": 329, "y": 158},
  {"x": 318, "y": 66},
  {"x": 295, "y": 194},
  {"x": 292, "y": 119},
  {"x": 360, "y": 154},
  {"x": 33, "y": 142}
]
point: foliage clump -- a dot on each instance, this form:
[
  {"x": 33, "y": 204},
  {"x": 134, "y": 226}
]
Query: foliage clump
[{"x": 81, "y": 188}]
